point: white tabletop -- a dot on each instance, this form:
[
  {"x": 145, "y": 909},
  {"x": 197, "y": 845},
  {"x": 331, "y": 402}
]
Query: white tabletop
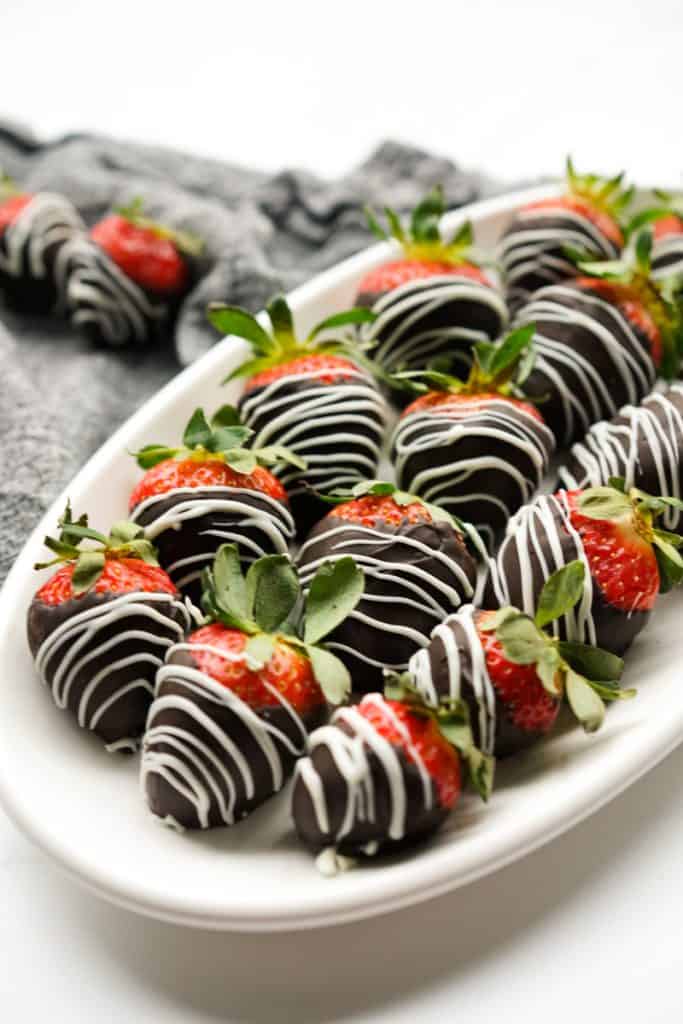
[{"x": 587, "y": 926}]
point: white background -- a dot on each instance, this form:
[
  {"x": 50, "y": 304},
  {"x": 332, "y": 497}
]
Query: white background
[{"x": 589, "y": 926}]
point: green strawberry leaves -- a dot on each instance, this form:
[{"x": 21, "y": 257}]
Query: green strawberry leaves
[
  {"x": 280, "y": 344},
  {"x": 586, "y": 704},
  {"x": 267, "y": 602},
  {"x": 560, "y": 593},
  {"x": 586, "y": 675},
  {"x": 223, "y": 438},
  {"x": 500, "y": 367},
  {"x": 334, "y": 592},
  {"x": 125, "y": 540},
  {"x": 421, "y": 236},
  {"x": 605, "y": 193}
]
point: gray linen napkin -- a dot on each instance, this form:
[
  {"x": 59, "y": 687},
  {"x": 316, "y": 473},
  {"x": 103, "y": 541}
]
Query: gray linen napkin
[{"x": 60, "y": 397}]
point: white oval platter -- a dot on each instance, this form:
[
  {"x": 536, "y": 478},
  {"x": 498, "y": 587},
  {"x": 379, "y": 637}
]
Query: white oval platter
[{"x": 83, "y": 807}]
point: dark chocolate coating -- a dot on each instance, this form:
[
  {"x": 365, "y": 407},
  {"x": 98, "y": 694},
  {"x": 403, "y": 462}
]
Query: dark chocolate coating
[
  {"x": 37, "y": 234},
  {"x": 204, "y": 534},
  {"x": 580, "y": 376},
  {"x": 308, "y": 417},
  {"x": 615, "y": 629},
  {"x": 166, "y": 800},
  {"x": 508, "y": 737},
  {"x": 420, "y": 821},
  {"x": 387, "y": 555},
  {"x": 105, "y": 304},
  {"x": 485, "y": 314},
  {"x": 460, "y": 480},
  {"x": 125, "y": 718},
  {"x": 531, "y": 250},
  {"x": 643, "y": 444}
]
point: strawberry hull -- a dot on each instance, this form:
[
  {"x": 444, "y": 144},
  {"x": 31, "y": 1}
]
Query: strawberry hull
[
  {"x": 415, "y": 575},
  {"x": 590, "y": 359},
  {"x": 98, "y": 655},
  {"x": 29, "y": 247},
  {"x": 336, "y": 425},
  {"x": 208, "y": 759},
  {"x": 188, "y": 525}
]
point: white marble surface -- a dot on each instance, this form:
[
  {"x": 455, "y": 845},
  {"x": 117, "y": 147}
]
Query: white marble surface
[{"x": 588, "y": 926}]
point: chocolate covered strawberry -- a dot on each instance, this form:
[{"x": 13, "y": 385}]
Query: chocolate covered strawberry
[
  {"x": 613, "y": 532},
  {"x": 666, "y": 219},
  {"x": 33, "y": 229},
  {"x": 383, "y": 774},
  {"x": 123, "y": 283},
  {"x": 431, "y": 301},
  {"x": 418, "y": 569},
  {"x": 600, "y": 341},
  {"x": 100, "y": 626},
  {"x": 209, "y": 490},
  {"x": 234, "y": 703},
  {"x": 313, "y": 396},
  {"x": 475, "y": 447},
  {"x": 512, "y": 674},
  {"x": 585, "y": 216}
]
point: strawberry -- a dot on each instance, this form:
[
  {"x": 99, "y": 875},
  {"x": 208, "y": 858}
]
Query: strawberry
[
  {"x": 316, "y": 396},
  {"x": 601, "y": 340},
  {"x": 124, "y": 281},
  {"x": 586, "y": 217},
  {"x": 619, "y": 549},
  {"x": 151, "y": 254},
  {"x": 612, "y": 531},
  {"x": 235, "y": 702},
  {"x": 99, "y": 626},
  {"x": 418, "y": 569},
  {"x": 210, "y": 489},
  {"x": 385, "y": 773},
  {"x": 666, "y": 220},
  {"x": 11, "y": 207},
  {"x": 322, "y": 368},
  {"x": 511, "y": 674},
  {"x": 472, "y": 444},
  {"x": 434, "y": 300},
  {"x": 33, "y": 229}
]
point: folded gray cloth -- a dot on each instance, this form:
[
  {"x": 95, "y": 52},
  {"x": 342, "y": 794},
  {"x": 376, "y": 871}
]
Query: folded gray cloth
[{"x": 61, "y": 398}]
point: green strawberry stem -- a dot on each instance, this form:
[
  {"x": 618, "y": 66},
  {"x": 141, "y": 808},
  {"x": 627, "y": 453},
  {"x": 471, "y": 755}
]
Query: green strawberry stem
[
  {"x": 125, "y": 540},
  {"x": 184, "y": 241},
  {"x": 222, "y": 440},
  {"x": 421, "y": 237},
  {"x": 606, "y": 194},
  {"x": 500, "y": 367},
  {"x": 268, "y": 605},
  {"x": 280, "y": 344}
]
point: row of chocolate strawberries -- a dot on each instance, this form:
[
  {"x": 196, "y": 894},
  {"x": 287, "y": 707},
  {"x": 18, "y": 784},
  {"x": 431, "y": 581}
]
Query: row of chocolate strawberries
[
  {"x": 231, "y": 701},
  {"x": 119, "y": 282}
]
